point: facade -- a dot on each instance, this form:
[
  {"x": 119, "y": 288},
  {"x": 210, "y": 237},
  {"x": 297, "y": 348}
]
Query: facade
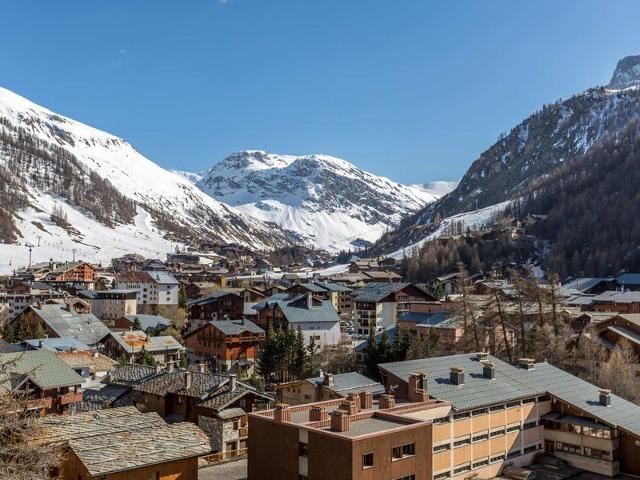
[
  {"x": 475, "y": 415},
  {"x": 109, "y": 305},
  {"x": 74, "y": 274},
  {"x": 220, "y": 305},
  {"x": 226, "y": 345},
  {"x": 317, "y": 319},
  {"x": 153, "y": 287},
  {"x": 22, "y": 295},
  {"x": 93, "y": 367},
  {"x": 327, "y": 387},
  {"x": 148, "y": 323},
  {"x": 378, "y": 305}
]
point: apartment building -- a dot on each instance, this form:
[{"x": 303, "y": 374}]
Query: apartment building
[
  {"x": 452, "y": 417},
  {"x": 153, "y": 287},
  {"x": 110, "y": 305}
]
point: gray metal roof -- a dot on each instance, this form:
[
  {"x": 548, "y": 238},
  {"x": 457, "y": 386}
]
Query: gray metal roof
[
  {"x": 618, "y": 297},
  {"x": 236, "y": 327},
  {"x": 214, "y": 296},
  {"x": 345, "y": 383},
  {"x": 335, "y": 287},
  {"x": 42, "y": 367},
  {"x": 376, "y": 291},
  {"x": 66, "y": 322},
  {"x": 628, "y": 279},
  {"x": 438, "y": 319},
  {"x": 584, "y": 284},
  {"x": 62, "y": 344},
  {"x": 149, "y": 322},
  {"x": 162, "y": 278},
  {"x": 512, "y": 383},
  {"x": 297, "y": 311}
]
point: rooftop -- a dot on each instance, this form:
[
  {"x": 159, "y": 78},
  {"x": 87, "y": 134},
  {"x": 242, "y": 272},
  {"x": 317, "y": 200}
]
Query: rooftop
[
  {"x": 149, "y": 321},
  {"x": 377, "y": 291},
  {"x": 353, "y": 382},
  {"x": 61, "y": 344},
  {"x": 132, "y": 341},
  {"x": 66, "y": 322},
  {"x": 42, "y": 367}
]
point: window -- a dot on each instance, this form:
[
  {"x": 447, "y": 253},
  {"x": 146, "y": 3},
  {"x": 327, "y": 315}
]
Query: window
[
  {"x": 513, "y": 454},
  {"x": 480, "y": 411},
  {"x": 461, "y": 441},
  {"x": 482, "y": 436},
  {"x": 441, "y": 448},
  {"x": 494, "y": 408},
  {"x": 481, "y": 463},
  {"x": 497, "y": 433},
  {"x": 303, "y": 449},
  {"x": 440, "y": 476},
  {"x": 513, "y": 404},
  {"x": 403, "y": 451},
  {"x": 530, "y": 448},
  {"x": 367, "y": 460},
  {"x": 407, "y": 477},
  {"x": 459, "y": 416},
  {"x": 569, "y": 448},
  {"x": 544, "y": 398},
  {"x": 462, "y": 468},
  {"x": 513, "y": 428},
  {"x": 528, "y": 400},
  {"x": 497, "y": 458},
  {"x": 529, "y": 425}
]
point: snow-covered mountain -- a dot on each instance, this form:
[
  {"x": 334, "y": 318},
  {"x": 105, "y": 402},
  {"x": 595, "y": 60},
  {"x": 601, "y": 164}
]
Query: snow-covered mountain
[
  {"x": 438, "y": 188},
  {"x": 67, "y": 186},
  {"x": 555, "y": 135},
  {"x": 324, "y": 200}
]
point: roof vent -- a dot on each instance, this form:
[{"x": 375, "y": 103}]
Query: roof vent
[
  {"x": 605, "y": 397},
  {"x": 489, "y": 370},
  {"x": 481, "y": 356},
  {"x": 526, "y": 363},
  {"x": 456, "y": 377}
]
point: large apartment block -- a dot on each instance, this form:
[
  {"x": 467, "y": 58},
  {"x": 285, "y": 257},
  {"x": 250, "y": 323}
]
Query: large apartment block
[{"x": 450, "y": 417}]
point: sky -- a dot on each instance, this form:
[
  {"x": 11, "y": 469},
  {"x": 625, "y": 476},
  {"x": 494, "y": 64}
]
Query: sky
[{"x": 413, "y": 90}]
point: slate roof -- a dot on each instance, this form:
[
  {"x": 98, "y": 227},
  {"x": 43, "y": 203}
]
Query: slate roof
[
  {"x": 512, "y": 383},
  {"x": 236, "y": 327},
  {"x": 106, "y": 454},
  {"x": 296, "y": 309},
  {"x": 6, "y": 347},
  {"x": 352, "y": 382},
  {"x": 132, "y": 341},
  {"x": 95, "y": 362},
  {"x": 67, "y": 322},
  {"x": 149, "y": 322},
  {"x": 61, "y": 344},
  {"x": 376, "y": 291},
  {"x": 312, "y": 287},
  {"x": 617, "y": 297},
  {"x": 42, "y": 367},
  {"x": 335, "y": 287},
  {"x": 438, "y": 319},
  {"x": 100, "y": 398},
  {"x": 214, "y": 296}
]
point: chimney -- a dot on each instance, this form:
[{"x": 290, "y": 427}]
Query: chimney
[
  {"x": 419, "y": 395},
  {"x": 328, "y": 380},
  {"x": 489, "y": 370},
  {"x": 366, "y": 400},
  {"x": 318, "y": 414},
  {"x": 482, "y": 356},
  {"x": 282, "y": 413},
  {"x": 526, "y": 363},
  {"x": 355, "y": 399},
  {"x": 456, "y": 376},
  {"x": 202, "y": 368},
  {"x": 340, "y": 421},
  {"x": 309, "y": 300},
  {"x": 170, "y": 366},
  {"x": 348, "y": 407},
  {"x": 605, "y": 397},
  {"x": 416, "y": 382},
  {"x": 387, "y": 401},
  {"x": 187, "y": 379},
  {"x": 233, "y": 382}
]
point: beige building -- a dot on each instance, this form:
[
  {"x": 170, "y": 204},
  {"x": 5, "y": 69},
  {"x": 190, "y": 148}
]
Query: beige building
[{"x": 108, "y": 305}]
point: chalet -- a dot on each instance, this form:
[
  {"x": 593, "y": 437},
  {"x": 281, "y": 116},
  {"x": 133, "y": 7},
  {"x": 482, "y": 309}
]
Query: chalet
[
  {"x": 378, "y": 305},
  {"x": 128, "y": 263},
  {"x": 153, "y": 287},
  {"x": 183, "y": 258},
  {"x": 262, "y": 265},
  {"x": 73, "y": 274},
  {"x": 227, "y": 345},
  {"x": 109, "y": 305},
  {"x": 123, "y": 443},
  {"x": 364, "y": 265},
  {"x": 149, "y": 324},
  {"x": 372, "y": 276},
  {"x": 196, "y": 290},
  {"x": 93, "y": 367},
  {"x": 622, "y": 327},
  {"x": 252, "y": 295},
  {"x": 317, "y": 319},
  {"x": 220, "y": 305},
  {"x": 62, "y": 321},
  {"x": 130, "y": 343},
  {"x": 47, "y": 383},
  {"x": 327, "y": 387},
  {"x": 441, "y": 325},
  {"x": 218, "y": 404},
  {"x": 339, "y": 295},
  {"x": 616, "y": 301}
]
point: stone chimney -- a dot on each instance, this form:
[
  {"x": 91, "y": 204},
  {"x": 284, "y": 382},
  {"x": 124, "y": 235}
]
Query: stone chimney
[
  {"x": 366, "y": 400},
  {"x": 526, "y": 363},
  {"x": 318, "y": 414},
  {"x": 233, "y": 382},
  {"x": 456, "y": 376},
  {"x": 282, "y": 413},
  {"x": 328, "y": 380},
  {"x": 488, "y": 370},
  {"x": 482, "y": 356},
  {"x": 387, "y": 400},
  {"x": 355, "y": 399},
  {"x": 416, "y": 381},
  {"x": 605, "y": 397},
  {"x": 187, "y": 379},
  {"x": 340, "y": 421},
  {"x": 348, "y": 407},
  {"x": 202, "y": 368}
]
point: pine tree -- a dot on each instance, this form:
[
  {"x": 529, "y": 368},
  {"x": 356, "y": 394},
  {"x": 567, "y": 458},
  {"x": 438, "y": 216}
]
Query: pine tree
[
  {"x": 8, "y": 335},
  {"x": 136, "y": 324},
  {"x": 122, "y": 360},
  {"x": 299, "y": 356},
  {"x": 24, "y": 332},
  {"x": 372, "y": 354},
  {"x": 145, "y": 358},
  {"x": 266, "y": 357},
  {"x": 38, "y": 332}
]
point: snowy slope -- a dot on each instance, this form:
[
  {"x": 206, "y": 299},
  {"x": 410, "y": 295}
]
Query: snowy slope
[
  {"x": 437, "y": 189},
  {"x": 326, "y": 201},
  {"x": 156, "y": 191}
]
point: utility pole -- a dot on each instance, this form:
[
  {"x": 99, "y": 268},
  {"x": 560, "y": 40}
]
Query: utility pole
[
  {"x": 30, "y": 249},
  {"x": 74, "y": 255}
]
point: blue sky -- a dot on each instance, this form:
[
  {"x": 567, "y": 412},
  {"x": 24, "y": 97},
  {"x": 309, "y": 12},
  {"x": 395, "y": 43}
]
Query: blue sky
[{"x": 411, "y": 89}]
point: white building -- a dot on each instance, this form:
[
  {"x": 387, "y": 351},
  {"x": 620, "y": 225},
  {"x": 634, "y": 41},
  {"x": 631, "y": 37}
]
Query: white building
[{"x": 154, "y": 288}]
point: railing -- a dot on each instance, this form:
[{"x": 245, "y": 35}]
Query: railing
[
  {"x": 40, "y": 403},
  {"x": 215, "y": 458},
  {"x": 72, "y": 397}
]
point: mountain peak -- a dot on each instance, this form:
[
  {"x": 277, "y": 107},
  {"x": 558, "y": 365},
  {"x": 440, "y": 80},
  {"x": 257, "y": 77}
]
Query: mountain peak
[{"x": 627, "y": 73}]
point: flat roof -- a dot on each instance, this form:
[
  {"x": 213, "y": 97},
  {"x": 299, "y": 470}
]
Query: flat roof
[{"x": 367, "y": 426}]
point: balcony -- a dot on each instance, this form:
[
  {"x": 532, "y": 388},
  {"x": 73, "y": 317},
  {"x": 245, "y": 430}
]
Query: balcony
[
  {"x": 39, "y": 403},
  {"x": 243, "y": 431},
  {"x": 71, "y": 397}
]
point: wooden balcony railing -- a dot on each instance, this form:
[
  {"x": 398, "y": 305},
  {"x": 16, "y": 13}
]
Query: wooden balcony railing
[
  {"x": 71, "y": 397},
  {"x": 221, "y": 457},
  {"x": 243, "y": 431}
]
